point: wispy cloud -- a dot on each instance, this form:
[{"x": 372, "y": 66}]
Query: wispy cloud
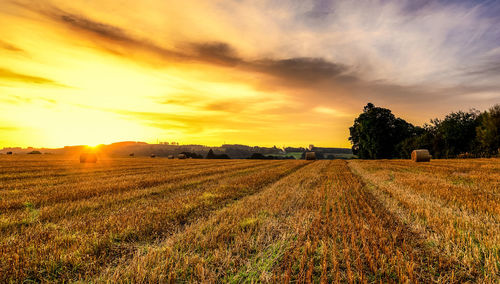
[
  {"x": 10, "y": 47},
  {"x": 9, "y": 75},
  {"x": 398, "y": 42},
  {"x": 193, "y": 123},
  {"x": 330, "y": 111}
]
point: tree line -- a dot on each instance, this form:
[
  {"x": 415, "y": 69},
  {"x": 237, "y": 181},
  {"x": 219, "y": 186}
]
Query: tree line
[{"x": 378, "y": 134}]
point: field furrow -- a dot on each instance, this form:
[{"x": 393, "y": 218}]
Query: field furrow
[
  {"x": 143, "y": 220},
  {"x": 67, "y": 240},
  {"x": 354, "y": 239},
  {"x": 241, "y": 242},
  {"x": 456, "y": 219},
  {"x": 91, "y": 186}
]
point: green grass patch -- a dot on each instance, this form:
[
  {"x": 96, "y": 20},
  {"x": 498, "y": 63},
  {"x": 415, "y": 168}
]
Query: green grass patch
[
  {"x": 261, "y": 263},
  {"x": 461, "y": 180}
]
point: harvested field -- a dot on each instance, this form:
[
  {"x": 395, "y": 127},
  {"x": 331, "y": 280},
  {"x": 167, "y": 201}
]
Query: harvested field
[{"x": 158, "y": 220}]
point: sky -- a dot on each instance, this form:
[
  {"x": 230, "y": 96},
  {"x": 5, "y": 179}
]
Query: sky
[{"x": 255, "y": 72}]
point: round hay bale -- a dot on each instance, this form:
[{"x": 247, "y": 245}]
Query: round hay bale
[
  {"x": 88, "y": 158},
  {"x": 421, "y": 155},
  {"x": 181, "y": 156},
  {"x": 170, "y": 156},
  {"x": 310, "y": 156}
]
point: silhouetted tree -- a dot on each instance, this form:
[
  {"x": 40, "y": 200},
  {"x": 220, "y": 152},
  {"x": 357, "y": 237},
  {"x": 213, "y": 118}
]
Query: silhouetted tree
[
  {"x": 210, "y": 155},
  {"x": 376, "y": 132},
  {"x": 488, "y": 131},
  {"x": 192, "y": 155},
  {"x": 456, "y": 133},
  {"x": 258, "y": 156},
  {"x": 420, "y": 138}
]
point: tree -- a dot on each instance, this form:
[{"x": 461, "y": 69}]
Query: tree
[
  {"x": 376, "y": 132},
  {"x": 457, "y": 132},
  {"x": 192, "y": 155},
  {"x": 258, "y": 156},
  {"x": 420, "y": 138},
  {"x": 222, "y": 156},
  {"x": 488, "y": 131},
  {"x": 211, "y": 155}
]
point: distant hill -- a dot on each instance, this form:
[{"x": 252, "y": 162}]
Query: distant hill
[{"x": 125, "y": 148}]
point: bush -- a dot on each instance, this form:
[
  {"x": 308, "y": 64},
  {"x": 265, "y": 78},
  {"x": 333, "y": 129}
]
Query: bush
[
  {"x": 192, "y": 155},
  {"x": 211, "y": 155},
  {"x": 258, "y": 156}
]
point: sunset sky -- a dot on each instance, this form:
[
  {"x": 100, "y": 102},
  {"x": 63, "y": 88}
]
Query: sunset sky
[{"x": 252, "y": 72}]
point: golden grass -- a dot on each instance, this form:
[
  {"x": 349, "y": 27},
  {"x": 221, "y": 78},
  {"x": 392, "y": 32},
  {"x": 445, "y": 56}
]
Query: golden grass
[
  {"x": 159, "y": 220},
  {"x": 453, "y": 204}
]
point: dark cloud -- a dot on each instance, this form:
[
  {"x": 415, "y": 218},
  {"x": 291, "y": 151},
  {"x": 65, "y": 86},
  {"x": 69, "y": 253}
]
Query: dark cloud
[
  {"x": 7, "y": 46},
  {"x": 100, "y": 33},
  {"x": 415, "y": 6},
  {"x": 300, "y": 69},
  {"x": 104, "y": 30},
  {"x": 225, "y": 106},
  {"x": 320, "y": 9},
  {"x": 52, "y": 12},
  {"x": 216, "y": 52},
  {"x": 488, "y": 70},
  {"x": 248, "y": 105},
  {"x": 13, "y": 76},
  {"x": 111, "y": 33},
  {"x": 178, "y": 101},
  {"x": 297, "y": 70}
]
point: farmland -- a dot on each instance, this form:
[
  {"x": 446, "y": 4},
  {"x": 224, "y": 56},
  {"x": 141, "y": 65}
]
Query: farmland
[{"x": 156, "y": 220}]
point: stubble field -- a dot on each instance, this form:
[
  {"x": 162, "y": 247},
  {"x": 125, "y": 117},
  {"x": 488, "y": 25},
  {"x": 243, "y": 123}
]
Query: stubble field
[{"x": 159, "y": 220}]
